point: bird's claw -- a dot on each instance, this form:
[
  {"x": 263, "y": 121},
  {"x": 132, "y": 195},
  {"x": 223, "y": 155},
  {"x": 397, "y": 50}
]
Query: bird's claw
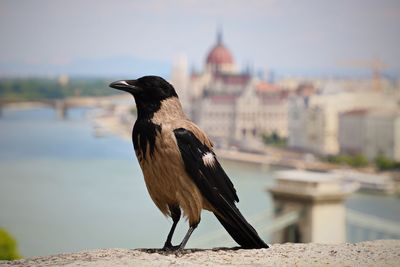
[{"x": 171, "y": 248}]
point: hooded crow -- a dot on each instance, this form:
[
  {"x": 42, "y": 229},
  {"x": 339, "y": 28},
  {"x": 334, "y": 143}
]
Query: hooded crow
[{"x": 179, "y": 165}]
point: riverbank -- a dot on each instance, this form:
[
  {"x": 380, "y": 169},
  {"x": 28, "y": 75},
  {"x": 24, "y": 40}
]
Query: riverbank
[
  {"x": 371, "y": 253},
  {"x": 120, "y": 122}
]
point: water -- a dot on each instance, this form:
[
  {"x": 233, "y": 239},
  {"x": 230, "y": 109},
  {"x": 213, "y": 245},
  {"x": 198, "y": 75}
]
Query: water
[{"x": 63, "y": 190}]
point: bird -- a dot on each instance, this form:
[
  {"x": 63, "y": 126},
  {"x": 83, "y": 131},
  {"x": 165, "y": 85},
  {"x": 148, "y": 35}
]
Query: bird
[{"x": 180, "y": 168}]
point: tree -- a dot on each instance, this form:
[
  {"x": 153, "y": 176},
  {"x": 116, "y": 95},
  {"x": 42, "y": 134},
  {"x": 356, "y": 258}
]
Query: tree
[
  {"x": 274, "y": 139},
  {"x": 353, "y": 161},
  {"x": 359, "y": 161},
  {"x": 384, "y": 163},
  {"x": 8, "y": 246}
]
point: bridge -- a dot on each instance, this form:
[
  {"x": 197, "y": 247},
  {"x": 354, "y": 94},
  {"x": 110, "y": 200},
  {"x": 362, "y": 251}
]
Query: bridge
[
  {"x": 360, "y": 227},
  {"x": 309, "y": 207},
  {"x": 368, "y": 227},
  {"x": 61, "y": 106}
]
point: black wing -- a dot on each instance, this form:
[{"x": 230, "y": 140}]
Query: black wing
[
  {"x": 210, "y": 178},
  {"x": 216, "y": 187}
]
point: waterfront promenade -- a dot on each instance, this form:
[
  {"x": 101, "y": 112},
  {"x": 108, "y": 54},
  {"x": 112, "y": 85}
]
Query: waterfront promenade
[{"x": 276, "y": 159}]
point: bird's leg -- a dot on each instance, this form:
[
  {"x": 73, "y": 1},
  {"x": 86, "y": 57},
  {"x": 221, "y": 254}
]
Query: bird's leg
[
  {"x": 176, "y": 215},
  {"x": 187, "y": 236},
  {"x": 168, "y": 244}
]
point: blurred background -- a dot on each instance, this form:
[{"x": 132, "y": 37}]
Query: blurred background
[{"x": 301, "y": 98}]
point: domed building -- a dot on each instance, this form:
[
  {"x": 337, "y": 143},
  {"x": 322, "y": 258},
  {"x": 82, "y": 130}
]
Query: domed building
[
  {"x": 220, "y": 59},
  {"x": 220, "y": 74},
  {"x": 234, "y": 107}
]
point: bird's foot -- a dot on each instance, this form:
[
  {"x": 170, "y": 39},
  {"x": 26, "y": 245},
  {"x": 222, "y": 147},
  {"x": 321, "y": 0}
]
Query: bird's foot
[{"x": 170, "y": 248}]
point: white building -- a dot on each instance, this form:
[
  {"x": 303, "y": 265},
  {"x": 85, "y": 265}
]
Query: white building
[
  {"x": 337, "y": 84},
  {"x": 261, "y": 109},
  {"x": 314, "y": 120},
  {"x": 371, "y": 133},
  {"x": 217, "y": 117},
  {"x": 234, "y": 107},
  {"x": 180, "y": 80}
]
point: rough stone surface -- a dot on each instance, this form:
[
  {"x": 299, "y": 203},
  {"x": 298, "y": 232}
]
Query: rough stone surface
[{"x": 371, "y": 253}]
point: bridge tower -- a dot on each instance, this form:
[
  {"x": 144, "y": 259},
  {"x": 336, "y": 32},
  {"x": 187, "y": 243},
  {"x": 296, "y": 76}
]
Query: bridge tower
[{"x": 319, "y": 199}]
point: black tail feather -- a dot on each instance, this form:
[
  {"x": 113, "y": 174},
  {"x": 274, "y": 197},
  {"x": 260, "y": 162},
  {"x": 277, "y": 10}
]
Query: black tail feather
[{"x": 238, "y": 228}]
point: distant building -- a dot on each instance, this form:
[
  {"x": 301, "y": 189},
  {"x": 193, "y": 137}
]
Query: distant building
[
  {"x": 314, "y": 119},
  {"x": 220, "y": 59},
  {"x": 234, "y": 107},
  {"x": 237, "y": 108},
  {"x": 352, "y": 137},
  {"x": 220, "y": 74},
  {"x": 338, "y": 84},
  {"x": 180, "y": 80},
  {"x": 261, "y": 109},
  {"x": 216, "y": 116},
  {"x": 370, "y": 132}
]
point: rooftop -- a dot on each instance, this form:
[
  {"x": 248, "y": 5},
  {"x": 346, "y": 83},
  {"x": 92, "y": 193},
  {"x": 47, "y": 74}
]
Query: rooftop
[{"x": 219, "y": 54}]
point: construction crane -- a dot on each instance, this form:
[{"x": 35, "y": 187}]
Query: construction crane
[{"x": 376, "y": 66}]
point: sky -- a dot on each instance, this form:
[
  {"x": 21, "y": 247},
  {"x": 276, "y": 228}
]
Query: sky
[{"x": 88, "y": 37}]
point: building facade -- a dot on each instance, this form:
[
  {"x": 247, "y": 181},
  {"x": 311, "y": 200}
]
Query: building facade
[
  {"x": 371, "y": 133},
  {"x": 314, "y": 119},
  {"x": 234, "y": 107}
]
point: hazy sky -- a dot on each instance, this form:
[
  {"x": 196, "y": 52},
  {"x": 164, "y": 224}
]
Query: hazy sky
[{"x": 283, "y": 35}]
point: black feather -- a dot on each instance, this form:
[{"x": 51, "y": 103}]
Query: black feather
[
  {"x": 144, "y": 132},
  {"x": 217, "y": 188}
]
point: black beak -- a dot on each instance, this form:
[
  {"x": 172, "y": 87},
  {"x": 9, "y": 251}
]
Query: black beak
[{"x": 127, "y": 86}]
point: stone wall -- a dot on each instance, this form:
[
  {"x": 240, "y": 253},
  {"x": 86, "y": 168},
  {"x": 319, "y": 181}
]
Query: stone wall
[{"x": 371, "y": 253}]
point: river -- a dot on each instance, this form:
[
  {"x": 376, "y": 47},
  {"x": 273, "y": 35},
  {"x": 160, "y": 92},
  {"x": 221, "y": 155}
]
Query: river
[{"x": 64, "y": 190}]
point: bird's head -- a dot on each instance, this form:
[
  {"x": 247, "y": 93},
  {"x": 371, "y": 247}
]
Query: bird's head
[{"x": 147, "y": 89}]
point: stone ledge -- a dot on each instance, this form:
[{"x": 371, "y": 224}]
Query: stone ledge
[{"x": 371, "y": 253}]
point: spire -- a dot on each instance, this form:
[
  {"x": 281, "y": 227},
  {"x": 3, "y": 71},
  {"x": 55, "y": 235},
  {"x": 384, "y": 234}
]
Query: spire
[{"x": 219, "y": 35}]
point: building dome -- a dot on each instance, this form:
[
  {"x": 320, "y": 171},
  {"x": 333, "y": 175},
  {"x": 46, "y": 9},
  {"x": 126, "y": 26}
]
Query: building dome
[
  {"x": 220, "y": 58},
  {"x": 219, "y": 55}
]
